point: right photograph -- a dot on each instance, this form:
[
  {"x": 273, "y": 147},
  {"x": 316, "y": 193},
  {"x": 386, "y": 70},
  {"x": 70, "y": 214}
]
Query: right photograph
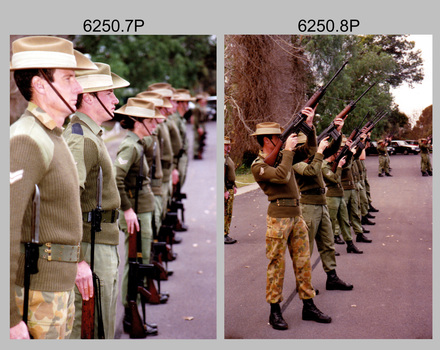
[{"x": 328, "y": 142}]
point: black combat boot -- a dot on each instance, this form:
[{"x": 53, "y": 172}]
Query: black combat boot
[
  {"x": 388, "y": 174},
  {"x": 372, "y": 209},
  {"x": 276, "y": 319},
  {"x": 366, "y": 221},
  {"x": 335, "y": 283},
  {"x": 311, "y": 313},
  {"x": 430, "y": 172},
  {"x": 338, "y": 240},
  {"x": 369, "y": 216},
  {"x": 351, "y": 248},
  {"x": 361, "y": 238}
]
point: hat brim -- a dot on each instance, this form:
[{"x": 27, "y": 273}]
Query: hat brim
[
  {"x": 82, "y": 63},
  {"x": 118, "y": 83},
  {"x": 123, "y": 111}
]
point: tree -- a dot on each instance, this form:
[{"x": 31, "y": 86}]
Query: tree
[
  {"x": 265, "y": 80},
  {"x": 423, "y": 126},
  {"x": 184, "y": 61}
]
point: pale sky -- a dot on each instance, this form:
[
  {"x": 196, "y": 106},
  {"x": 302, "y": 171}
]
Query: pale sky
[{"x": 413, "y": 101}]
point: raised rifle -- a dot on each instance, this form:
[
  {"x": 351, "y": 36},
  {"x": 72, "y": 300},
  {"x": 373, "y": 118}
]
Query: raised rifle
[
  {"x": 331, "y": 130},
  {"x": 32, "y": 253},
  {"x": 88, "y": 306},
  {"x": 355, "y": 137},
  {"x": 299, "y": 121}
]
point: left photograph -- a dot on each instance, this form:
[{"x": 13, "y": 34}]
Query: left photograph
[{"x": 112, "y": 187}]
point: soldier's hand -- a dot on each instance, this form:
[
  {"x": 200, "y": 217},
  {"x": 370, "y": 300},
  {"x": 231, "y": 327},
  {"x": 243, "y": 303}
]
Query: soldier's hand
[
  {"x": 342, "y": 162},
  {"x": 310, "y": 113},
  {"x": 339, "y": 122},
  {"x": 131, "y": 220},
  {"x": 175, "y": 176},
  {"x": 291, "y": 142},
  {"x": 20, "y": 331},
  {"x": 84, "y": 280},
  {"x": 323, "y": 145},
  {"x": 226, "y": 194}
]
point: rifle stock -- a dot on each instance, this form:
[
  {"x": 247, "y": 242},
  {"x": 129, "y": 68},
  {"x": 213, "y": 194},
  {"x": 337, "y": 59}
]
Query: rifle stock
[
  {"x": 298, "y": 124},
  {"x": 88, "y": 306}
]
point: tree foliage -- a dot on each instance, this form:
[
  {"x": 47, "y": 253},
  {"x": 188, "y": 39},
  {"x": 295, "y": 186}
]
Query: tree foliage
[
  {"x": 265, "y": 80},
  {"x": 184, "y": 61},
  {"x": 258, "y": 68}
]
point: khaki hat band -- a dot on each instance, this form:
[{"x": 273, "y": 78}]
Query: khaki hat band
[
  {"x": 38, "y": 59},
  {"x": 270, "y": 131},
  {"x": 157, "y": 101},
  {"x": 95, "y": 81},
  {"x": 164, "y": 92},
  {"x": 140, "y": 112}
]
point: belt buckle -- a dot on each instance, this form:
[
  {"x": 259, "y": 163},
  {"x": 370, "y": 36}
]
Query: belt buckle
[
  {"x": 278, "y": 202},
  {"x": 48, "y": 250}
]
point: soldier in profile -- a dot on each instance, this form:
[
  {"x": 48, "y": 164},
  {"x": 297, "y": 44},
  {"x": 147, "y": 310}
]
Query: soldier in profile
[
  {"x": 286, "y": 227},
  {"x": 44, "y": 70}
]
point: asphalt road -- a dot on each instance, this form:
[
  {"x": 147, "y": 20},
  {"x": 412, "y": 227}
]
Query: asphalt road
[
  {"x": 392, "y": 295},
  {"x": 190, "y": 312}
]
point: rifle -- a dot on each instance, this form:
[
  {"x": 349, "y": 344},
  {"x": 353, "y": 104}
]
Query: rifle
[
  {"x": 355, "y": 137},
  {"x": 298, "y": 123},
  {"x": 88, "y": 306},
  {"x": 31, "y": 252},
  {"x": 331, "y": 129}
]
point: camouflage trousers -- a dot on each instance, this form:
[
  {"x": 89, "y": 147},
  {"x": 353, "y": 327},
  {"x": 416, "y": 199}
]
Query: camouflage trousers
[
  {"x": 50, "y": 314},
  {"x": 339, "y": 217},
  {"x": 425, "y": 162},
  {"x": 228, "y": 211},
  {"x": 288, "y": 233},
  {"x": 384, "y": 164}
]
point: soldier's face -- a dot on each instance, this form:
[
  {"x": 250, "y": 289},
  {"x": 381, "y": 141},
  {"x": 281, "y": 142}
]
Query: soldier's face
[
  {"x": 69, "y": 88},
  {"x": 150, "y": 124},
  {"x": 109, "y": 100}
]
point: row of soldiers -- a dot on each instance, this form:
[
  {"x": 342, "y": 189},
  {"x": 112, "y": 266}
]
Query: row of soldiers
[
  {"x": 315, "y": 195},
  {"x": 64, "y": 248}
]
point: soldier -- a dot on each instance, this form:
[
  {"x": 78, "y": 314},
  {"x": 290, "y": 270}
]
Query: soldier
[
  {"x": 182, "y": 97},
  {"x": 139, "y": 117},
  {"x": 384, "y": 163},
  {"x": 83, "y": 134},
  {"x": 172, "y": 135},
  {"x": 169, "y": 144},
  {"x": 314, "y": 208},
  {"x": 336, "y": 204},
  {"x": 362, "y": 188},
  {"x": 44, "y": 70},
  {"x": 286, "y": 227},
  {"x": 351, "y": 198},
  {"x": 425, "y": 161},
  {"x": 230, "y": 189},
  {"x": 198, "y": 119}
]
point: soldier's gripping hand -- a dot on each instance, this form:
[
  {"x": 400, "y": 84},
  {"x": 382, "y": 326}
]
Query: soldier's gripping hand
[
  {"x": 323, "y": 145},
  {"x": 131, "y": 220},
  {"x": 291, "y": 142},
  {"x": 84, "y": 280},
  {"x": 310, "y": 113},
  {"x": 20, "y": 331}
]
